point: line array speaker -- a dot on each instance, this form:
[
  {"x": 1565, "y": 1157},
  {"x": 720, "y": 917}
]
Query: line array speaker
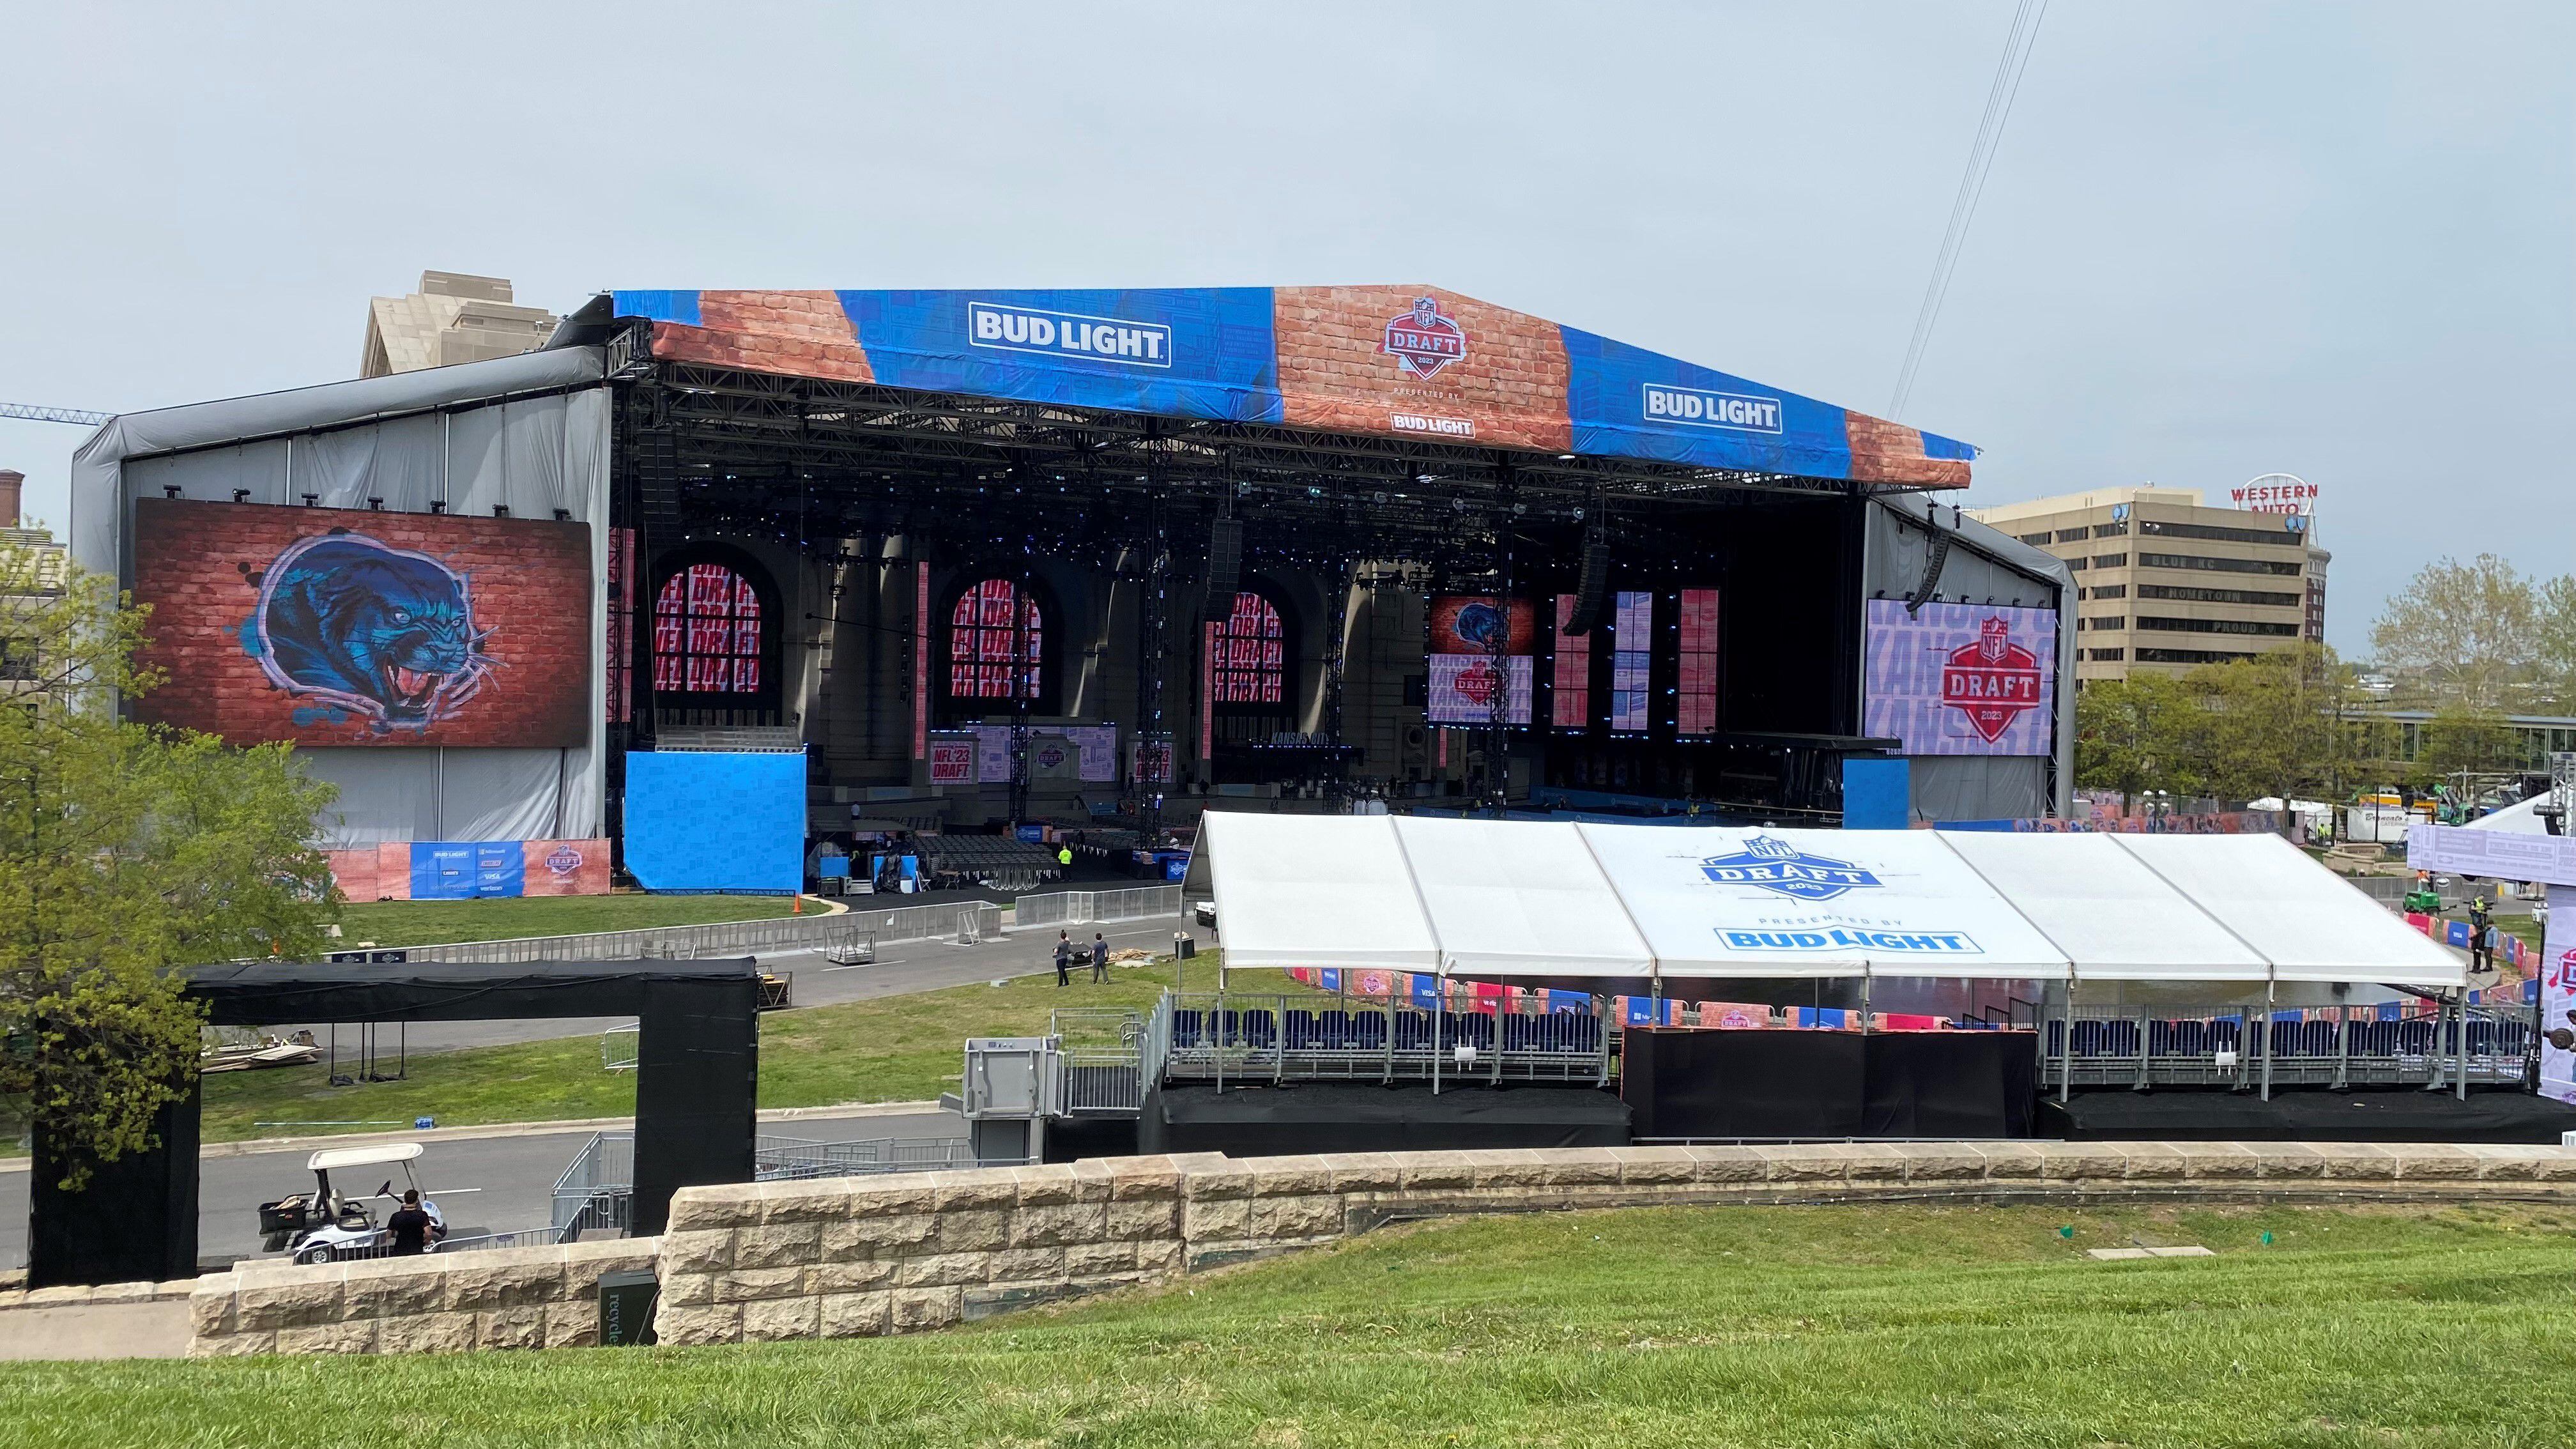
[
  {"x": 1593, "y": 587},
  {"x": 1225, "y": 569}
]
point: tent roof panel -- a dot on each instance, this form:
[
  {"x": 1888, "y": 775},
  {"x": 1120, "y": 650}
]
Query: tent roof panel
[
  {"x": 2111, "y": 915},
  {"x": 2310, "y": 925},
  {"x": 1765, "y": 902},
  {"x": 1316, "y": 890},
  {"x": 1508, "y": 896}
]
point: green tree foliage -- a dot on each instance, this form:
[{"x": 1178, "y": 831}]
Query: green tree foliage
[
  {"x": 125, "y": 850},
  {"x": 2471, "y": 630},
  {"x": 2459, "y": 738},
  {"x": 2554, "y": 646},
  {"x": 2146, "y": 732}
]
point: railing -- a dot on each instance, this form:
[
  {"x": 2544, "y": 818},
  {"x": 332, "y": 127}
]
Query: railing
[
  {"x": 1102, "y": 1053},
  {"x": 674, "y": 943},
  {"x": 621, "y": 1048},
  {"x": 2237, "y": 1047},
  {"x": 1089, "y": 908},
  {"x": 597, "y": 1189},
  {"x": 946, "y": 921},
  {"x": 1228, "y": 1036}
]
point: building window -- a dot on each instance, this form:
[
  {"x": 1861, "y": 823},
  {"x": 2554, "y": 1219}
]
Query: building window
[
  {"x": 2110, "y": 530},
  {"x": 2105, "y": 656},
  {"x": 984, "y": 638},
  {"x": 707, "y": 633},
  {"x": 2072, "y": 535},
  {"x": 2036, "y": 538},
  {"x": 1248, "y": 654},
  {"x": 2278, "y": 537},
  {"x": 2188, "y": 656},
  {"x": 2111, "y": 591},
  {"x": 2218, "y": 626},
  {"x": 2188, "y": 595},
  {"x": 2113, "y": 621},
  {"x": 2110, "y": 560},
  {"x": 2284, "y": 568},
  {"x": 17, "y": 659}
]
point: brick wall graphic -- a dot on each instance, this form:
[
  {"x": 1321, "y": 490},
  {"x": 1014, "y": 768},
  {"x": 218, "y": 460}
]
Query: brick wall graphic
[
  {"x": 797, "y": 334},
  {"x": 1377, "y": 360},
  {"x": 331, "y": 627}
]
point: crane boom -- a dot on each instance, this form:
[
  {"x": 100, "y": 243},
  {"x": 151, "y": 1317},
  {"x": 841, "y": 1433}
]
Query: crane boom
[{"x": 31, "y": 412}]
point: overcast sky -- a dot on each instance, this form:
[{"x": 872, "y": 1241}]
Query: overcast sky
[{"x": 2219, "y": 240}]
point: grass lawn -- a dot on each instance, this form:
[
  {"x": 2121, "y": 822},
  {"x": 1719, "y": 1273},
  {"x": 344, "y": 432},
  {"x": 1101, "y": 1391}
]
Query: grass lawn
[
  {"x": 1858, "y": 1326},
  {"x": 892, "y": 1049},
  {"x": 436, "y": 923}
]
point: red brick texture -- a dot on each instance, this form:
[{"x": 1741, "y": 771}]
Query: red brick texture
[
  {"x": 584, "y": 868},
  {"x": 789, "y": 334},
  {"x": 1885, "y": 452},
  {"x": 198, "y": 566},
  {"x": 1334, "y": 373}
]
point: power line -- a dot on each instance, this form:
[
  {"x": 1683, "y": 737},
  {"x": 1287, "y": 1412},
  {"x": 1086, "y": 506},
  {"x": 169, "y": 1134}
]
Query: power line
[
  {"x": 1972, "y": 185},
  {"x": 33, "y": 413}
]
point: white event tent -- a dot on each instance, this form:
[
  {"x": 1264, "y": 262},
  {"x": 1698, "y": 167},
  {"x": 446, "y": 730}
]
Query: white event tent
[{"x": 1493, "y": 898}]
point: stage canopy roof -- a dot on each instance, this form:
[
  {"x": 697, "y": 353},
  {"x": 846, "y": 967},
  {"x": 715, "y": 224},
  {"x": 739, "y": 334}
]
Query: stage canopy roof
[
  {"x": 1408, "y": 362},
  {"x": 1502, "y": 898}
]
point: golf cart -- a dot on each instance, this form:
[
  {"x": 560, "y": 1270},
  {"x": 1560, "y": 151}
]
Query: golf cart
[{"x": 322, "y": 1226}]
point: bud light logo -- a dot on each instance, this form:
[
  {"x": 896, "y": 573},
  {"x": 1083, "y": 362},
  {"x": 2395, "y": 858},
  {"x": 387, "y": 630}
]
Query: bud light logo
[
  {"x": 1783, "y": 869},
  {"x": 563, "y": 860},
  {"x": 1068, "y": 334},
  {"x": 1992, "y": 681},
  {"x": 1425, "y": 340},
  {"x": 1921, "y": 943},
  {"x": 1700, "y": 408}
]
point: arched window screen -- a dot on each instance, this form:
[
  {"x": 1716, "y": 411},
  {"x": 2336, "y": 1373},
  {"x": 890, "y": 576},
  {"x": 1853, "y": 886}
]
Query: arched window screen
[
  {"x": 706, "y": 633},
  {"x": 1249, "y": 653},
  {"x": 981, "y": 637}
]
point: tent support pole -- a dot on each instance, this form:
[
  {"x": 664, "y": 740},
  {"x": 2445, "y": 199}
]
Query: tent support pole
[
  {"x": 2271, "y": 994},
  {"x": 2463, "y": 1089},
  {"x": 2065, "y": 1045},
  {"x": 1439, "y": 1018},
  {"x": 1864, "y": 998}
]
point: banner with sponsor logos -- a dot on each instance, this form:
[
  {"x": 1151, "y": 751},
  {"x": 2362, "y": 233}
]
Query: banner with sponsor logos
[
  {"x": 422, "y": 870},
  {"x": 1961, "y": 679},
  {"x": 1402, "y": 361},
  {"x": 2558, "y": 1008}
]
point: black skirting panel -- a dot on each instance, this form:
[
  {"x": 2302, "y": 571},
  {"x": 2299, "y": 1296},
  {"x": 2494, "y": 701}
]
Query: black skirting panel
[
  {"x": 2412, "y": 1115},
  {"x": 1071, "y": 1139},
  {"x": 1735, "y": 1084},
  {"x": 135, "y": 1222},
  {"x": 1340, "y": 1117}
]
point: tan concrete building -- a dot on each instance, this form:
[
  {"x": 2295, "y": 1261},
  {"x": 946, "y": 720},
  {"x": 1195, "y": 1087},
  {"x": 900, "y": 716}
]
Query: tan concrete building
[
  {"x": 2166, "y": 583},
  {"x": 454, "y": 317}
]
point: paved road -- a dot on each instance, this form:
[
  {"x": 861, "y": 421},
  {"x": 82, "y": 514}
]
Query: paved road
[
  {"x": 899, "y": 969},
  {"x": 515, "y": 1175}
]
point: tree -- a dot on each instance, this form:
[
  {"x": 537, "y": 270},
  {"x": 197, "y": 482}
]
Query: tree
[
  {"x": 2138, "y": 734},
  {"x": 125, "y": 850},
  {"x": 2469, "y": 628},
  {"x": 2554, "y": 645},
  {"x": 2457, "y": 739},
  {"x": 2277, "y": 723}
]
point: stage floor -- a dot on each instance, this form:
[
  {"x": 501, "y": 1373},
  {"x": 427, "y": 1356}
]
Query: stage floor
[{"x": 2411, "y": 1115}]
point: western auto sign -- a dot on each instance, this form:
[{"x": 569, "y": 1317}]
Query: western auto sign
[
  {"x": 1991, "y": 681},
  {"x": 1424, "y": 340},
  {"x": 2276, "y": 493},
  {"x": 1961, "y": 679}
]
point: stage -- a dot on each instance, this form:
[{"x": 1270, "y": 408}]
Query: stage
[
  {"x": 1316, "y": 1117},
  {"x": 2412, "y": 1115}
]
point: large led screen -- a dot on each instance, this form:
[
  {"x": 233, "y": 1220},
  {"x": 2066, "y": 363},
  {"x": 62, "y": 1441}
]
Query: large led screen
[
  {"x": 333, "y": 627},
  {"x": 1464, "y": 630},
  {"x": 1962, "y": 679}
]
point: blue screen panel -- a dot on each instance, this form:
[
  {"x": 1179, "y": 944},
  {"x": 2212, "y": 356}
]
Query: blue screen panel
[
  {"x": 1877, "y": 794},
  {"x": 463, "y": 870},
  {"x": 716, "y": 822}
]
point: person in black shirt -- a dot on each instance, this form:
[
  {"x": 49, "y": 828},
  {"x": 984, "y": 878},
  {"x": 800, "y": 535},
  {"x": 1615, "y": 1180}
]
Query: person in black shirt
[
  {"x": 1099, "y": 958},
  {"x": 1063, "y": 958},
  {"x": 409, "y": 1225}
]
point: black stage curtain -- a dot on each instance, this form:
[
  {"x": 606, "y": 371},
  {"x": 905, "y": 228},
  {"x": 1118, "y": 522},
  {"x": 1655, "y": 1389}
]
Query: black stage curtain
[
  {"x": 1723, "y": 1084},
  {"x": 1364, "y": 1117},
  {"x": 136, "y": 1221},
  {"x": 2307, "y": 1115},
  {"x": 697, "y": 1081}
]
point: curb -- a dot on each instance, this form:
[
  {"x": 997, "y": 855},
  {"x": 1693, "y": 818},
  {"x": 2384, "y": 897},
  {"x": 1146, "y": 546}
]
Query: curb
[{"x": 256, "y": 1146}]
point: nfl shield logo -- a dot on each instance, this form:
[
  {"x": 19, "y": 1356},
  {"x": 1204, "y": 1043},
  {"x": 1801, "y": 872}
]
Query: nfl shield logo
[
  {"x": 1991, "y": 682},
  {"x": 1771, "y": 864},
  {"x": 563, "y": 860},
  {"x": 1424, "y": 340}
]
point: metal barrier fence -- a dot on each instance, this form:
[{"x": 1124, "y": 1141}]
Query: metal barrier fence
[
  {"x": 1102, "y": 1053},
  {"x": 2093, "y": 1046},
  {"x": 946, "y": 921},
  {"x": 1222, "y": 1036},
  {"x": 784, "y": 1159},
  {"x": 1091, "y": 908},
  {"x": 669, "y": 943},
  {"x": 597, "y": 1189}
]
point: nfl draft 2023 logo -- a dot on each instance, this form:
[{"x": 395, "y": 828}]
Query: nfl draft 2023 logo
[
  {"x": 1772, "y": 864},
  {"x": 1991, "y": 681},
  {"x": 1424, "y": 340}
]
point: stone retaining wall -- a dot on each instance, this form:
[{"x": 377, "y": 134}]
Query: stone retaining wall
[
  {"x": 857, "y": 1256},
  {"x": 444, "y": 1302}
]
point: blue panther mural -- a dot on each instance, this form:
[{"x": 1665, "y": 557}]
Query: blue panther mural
[{"x": 374, "y": 632}]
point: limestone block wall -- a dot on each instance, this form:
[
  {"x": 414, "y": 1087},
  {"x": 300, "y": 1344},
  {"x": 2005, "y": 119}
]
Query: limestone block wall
[
  {"x": 444, "y": 1302},
  {"x": 860, "y": 1256}
]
